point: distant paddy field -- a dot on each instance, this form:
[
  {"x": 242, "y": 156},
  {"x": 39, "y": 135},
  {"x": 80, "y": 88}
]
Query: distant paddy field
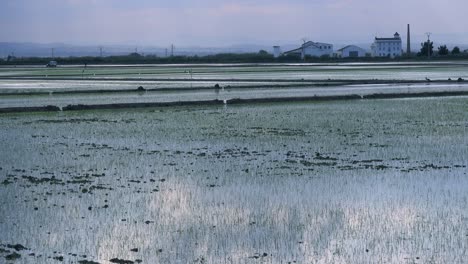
[{"x": 134, "y": 85}]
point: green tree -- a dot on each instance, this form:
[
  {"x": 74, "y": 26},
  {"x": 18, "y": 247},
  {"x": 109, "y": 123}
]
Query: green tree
[
  {"x": 456, "y": 50},
  {"x": 443, "y": 50},
  {"x": 424, "y": 47}
]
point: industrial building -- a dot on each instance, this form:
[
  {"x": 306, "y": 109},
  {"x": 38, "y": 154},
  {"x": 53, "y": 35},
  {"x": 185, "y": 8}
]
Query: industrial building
[
  {"x": 387, "y": 47},
  {"x": 351, "y": 51},
  {"x": 314, "y": 49}
]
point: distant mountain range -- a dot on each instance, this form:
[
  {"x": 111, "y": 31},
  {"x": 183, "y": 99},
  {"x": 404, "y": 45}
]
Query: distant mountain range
[{"x": 68, "y": 50}]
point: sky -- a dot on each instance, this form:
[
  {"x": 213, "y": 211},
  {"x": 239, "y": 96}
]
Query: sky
[{"x": 213, "y": 23}]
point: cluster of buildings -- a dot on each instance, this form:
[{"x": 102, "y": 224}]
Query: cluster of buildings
[{"x": 382, "y": 47}]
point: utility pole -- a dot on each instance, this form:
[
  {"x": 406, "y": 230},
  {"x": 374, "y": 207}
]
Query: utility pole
[
  {"x": 166, "y": 52},
  {"x": 52, "y": 51},
  {"x": 304, "y": 40},
  {"x": 172, "y": 50},
  {"x": 100, "y": 51},
  {"x": 428, "y": 34}
]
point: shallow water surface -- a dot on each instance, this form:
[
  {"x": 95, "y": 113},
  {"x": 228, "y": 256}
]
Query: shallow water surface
[{"x": 374, "y": 181}]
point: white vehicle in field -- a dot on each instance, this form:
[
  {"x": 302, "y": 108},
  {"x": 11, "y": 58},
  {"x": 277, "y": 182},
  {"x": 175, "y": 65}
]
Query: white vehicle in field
[{"x": 51, "y": 64}]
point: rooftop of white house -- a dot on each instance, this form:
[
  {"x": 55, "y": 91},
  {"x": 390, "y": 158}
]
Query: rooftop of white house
[{"x": 395, "y": 37}]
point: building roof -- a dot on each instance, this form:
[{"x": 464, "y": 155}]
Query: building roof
[
  {"x": 306, "y": 45},
  {"x": 396, "y": 36},
  {"x": 349, "y": 46},
  {"x": 311, "y": 43},
  {"x": 315, "y": 44},
  {"x": 293, "y": 51},
  {"x": 386, "y": 39}
]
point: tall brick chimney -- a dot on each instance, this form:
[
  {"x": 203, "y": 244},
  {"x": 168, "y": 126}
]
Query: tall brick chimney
[{"x": 408, "y": 42}]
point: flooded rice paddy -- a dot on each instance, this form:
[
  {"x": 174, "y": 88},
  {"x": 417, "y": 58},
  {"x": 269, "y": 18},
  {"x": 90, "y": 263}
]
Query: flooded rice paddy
[
  {"x": 364, "y": 181},
  {"x": 62, "y": 100},
  {"x": 33, "y": 86},
  {"x": 387, "y": 71}
]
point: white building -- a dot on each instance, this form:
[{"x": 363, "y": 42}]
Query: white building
[
  {"x": 276, "y": 51},
  {"x": 315, "y": 49},
  {"x": 351, "y": 51},
  {"x": 387, "y": 47}
]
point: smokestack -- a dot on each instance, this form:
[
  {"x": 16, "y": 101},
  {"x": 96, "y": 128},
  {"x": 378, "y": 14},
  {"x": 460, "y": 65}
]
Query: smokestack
[{"x": 408, "y": 42}]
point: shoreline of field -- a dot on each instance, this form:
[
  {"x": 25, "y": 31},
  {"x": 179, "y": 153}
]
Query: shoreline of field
[
  {"x": 442, "y": 62},
  {"x": 233, "y": 101},
  {"x": 287, "y": 84}
]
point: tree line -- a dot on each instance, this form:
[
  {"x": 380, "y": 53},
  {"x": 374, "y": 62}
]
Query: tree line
[
  {"x": 427, "y": 49},
  {"x": 256, "y": 57}
]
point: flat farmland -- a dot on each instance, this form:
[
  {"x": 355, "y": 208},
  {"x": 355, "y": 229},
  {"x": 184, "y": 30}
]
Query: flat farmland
[
  {"x": 379, "y": 181},
  {"x": 233, "y": 163},
  {"x": 385, "y": 71},
  {"x": 37, "y": 86}
]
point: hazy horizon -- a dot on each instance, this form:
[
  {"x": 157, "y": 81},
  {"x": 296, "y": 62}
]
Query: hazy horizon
[{"x": 209, "y": 23}]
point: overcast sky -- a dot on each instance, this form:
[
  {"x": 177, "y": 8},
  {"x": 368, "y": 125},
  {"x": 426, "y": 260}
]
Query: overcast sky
[{"x": 223, "y": 22}]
